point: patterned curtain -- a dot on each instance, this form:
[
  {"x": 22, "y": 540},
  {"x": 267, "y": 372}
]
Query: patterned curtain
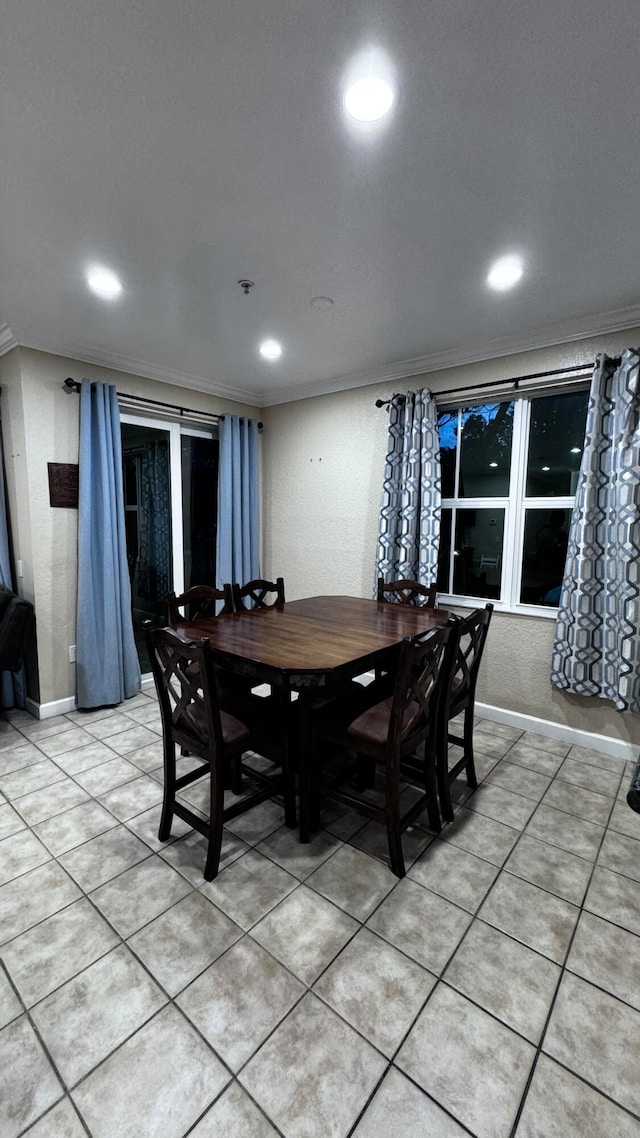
[
  {"x": 597, "y": 645},
  {"x": 409, "y": 529},
  {"x": 154, "y": 557}
]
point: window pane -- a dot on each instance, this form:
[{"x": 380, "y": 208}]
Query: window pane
[
  {"x": 485, "y": 455},
  {"x": 545, "y": 550},
  {"x": 199, "y": 509},
  {"x": 444, "y": 553},
  {"x": 448, "y": 430},
  {"x": 556, "y": 439},
  {"x": 478, "y": 553}
]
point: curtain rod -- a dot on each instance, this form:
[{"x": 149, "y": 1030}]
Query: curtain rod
[
  {"x": 515, "y": 380},
  {"x": 73, "y": 385}
]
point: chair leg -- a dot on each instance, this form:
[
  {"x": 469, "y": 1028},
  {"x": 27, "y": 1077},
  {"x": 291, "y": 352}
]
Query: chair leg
[
  {"x": 216, "y": 808},
  {"x": 394, "y": 834},
  {"x": 472, "y": 780},
  {"x": 166, "y": 818},
  {"x": 365, "y": 773},
  {"x": 236, "y": 775},
  {"x": 442, "y": 765},
  {"x": 430, "y": 782}
]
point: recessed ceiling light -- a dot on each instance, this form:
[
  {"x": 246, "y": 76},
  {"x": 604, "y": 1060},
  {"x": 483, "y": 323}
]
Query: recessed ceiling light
[
  {"x": 368, "y": 99},
  {"x": 493, "y": 464},
  {"x": 323, "y": 302},
  {"x": 270, "y": 350},
  {"x": 505, "y": 272},
  {"x": 546, "y": 468},
  {"x": 576, "y": 450},
  {"x": 103, "y": 282}
]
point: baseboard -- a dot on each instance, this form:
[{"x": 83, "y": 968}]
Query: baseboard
[
  {"x": 616, "y": 748},
  {"x": 48, "y": 710}
]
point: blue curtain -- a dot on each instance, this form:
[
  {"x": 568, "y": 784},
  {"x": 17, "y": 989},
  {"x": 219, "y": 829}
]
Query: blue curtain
[
  {"x": 238, "y": 542},
  {"x": 409, "y": 528},
  {"x": 154, "y": 557},
  {"x": 12, "y": 685},
  {"x": 597, "y": 645},
  {"x": 107, "y": 662}
]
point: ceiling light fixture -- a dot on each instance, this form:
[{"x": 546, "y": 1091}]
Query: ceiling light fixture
[
  {"x": 505, "y": 272},
  {"x": 576, "y": 450},
  {"x": 546, "y": 468},
  {"x": 368, "y": 99},
  {"x": 493, "y": 464},
  {"x": 322, "y": 302},
  {"x": 103, "y": 282},
  {"x": 270, "y": 350}
]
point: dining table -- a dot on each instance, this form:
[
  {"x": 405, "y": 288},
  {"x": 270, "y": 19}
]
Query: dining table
[{"x": 312, "y": 646}]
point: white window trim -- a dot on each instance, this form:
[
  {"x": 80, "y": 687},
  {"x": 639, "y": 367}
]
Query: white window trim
[{"x": 515, "y": 507}]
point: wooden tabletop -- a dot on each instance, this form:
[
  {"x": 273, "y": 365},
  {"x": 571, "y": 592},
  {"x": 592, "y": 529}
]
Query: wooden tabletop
[{"x": 315, "y": 635}]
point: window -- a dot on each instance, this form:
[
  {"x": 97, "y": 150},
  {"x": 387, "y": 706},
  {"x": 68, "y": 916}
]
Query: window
[
  {"x": 171, "y": 493},
  {"x": 509, "y": 476}
]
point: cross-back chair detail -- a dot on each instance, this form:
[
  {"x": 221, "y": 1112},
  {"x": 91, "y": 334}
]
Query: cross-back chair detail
[
  {"x": 257, "y": 594},
  {"x": 197, "y": 602},
  {"x": 471, "y": 640},
  {"x": 406, "y": 592},
  {"x": 192, "y": 719},
  {"x": 397, "y": 733}
]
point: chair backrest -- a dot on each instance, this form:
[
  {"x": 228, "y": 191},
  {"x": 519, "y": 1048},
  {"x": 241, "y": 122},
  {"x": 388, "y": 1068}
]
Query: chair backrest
[
  {"x": 472, "y": 636},
  {"x": 404, "y": 592},
  {"x": 16, "y": 624},
  {"x": 199, "y": 601},
  {"x": 258, "y": 594},
  {"x": 423, "y": 676},
  {"x": 187, "y": 695}
]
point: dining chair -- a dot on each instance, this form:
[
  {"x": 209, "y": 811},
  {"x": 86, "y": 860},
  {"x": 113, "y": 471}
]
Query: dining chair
[
  {"x": 254, "y": 594},
  {"x": 472, "y": 636},
  {"x": 198, "y": 601},
  {"x": 193, "y": 720},
  {"x": 398, "y": 733},
  {"x": 405, "y": 592}
]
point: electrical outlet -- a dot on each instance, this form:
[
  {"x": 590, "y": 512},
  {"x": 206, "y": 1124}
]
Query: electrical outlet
[
  {"x": 72, "y": 653},
  {"x": 19, "y": 568}
]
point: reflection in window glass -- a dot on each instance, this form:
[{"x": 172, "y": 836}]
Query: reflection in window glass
[
  {"x": 545, "y": 549},
  {"x": 444, "y": 552},
  {"x": 485, "y": 452},
  {"x": 477, "y": 565},
  {"x": 448, "y": 431},
  {"x": 556, "y": 439}
]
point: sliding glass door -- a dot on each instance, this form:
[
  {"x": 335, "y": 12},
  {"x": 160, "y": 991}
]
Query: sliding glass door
[{"x": 171, "y": 495}]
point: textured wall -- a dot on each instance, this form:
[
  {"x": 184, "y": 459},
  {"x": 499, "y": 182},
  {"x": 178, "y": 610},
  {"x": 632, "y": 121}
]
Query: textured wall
[
  {"x": 43, "y": 424},
  {"x": 323, "y": 467}
]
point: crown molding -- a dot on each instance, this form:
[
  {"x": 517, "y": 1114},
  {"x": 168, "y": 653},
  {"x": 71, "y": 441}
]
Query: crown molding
[
  {"x": 581, "y": 328},
  {"x": 84, "y": 353},
  {"x": 568, "y": 332},
  {"x": 7, "y": 340}
]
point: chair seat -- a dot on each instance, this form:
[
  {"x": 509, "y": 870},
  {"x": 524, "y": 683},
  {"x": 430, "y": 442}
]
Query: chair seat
[
  {"x": 367, "y": 730},
  {"x": 194, "y": 721}
]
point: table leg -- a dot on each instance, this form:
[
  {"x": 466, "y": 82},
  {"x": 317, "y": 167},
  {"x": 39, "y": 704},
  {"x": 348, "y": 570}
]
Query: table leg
[{"x": 288, "y": 753}]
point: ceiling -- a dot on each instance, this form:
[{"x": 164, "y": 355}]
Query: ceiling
[{"x": 187, "y": 145}]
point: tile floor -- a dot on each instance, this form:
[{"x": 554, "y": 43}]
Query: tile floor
[{"x": 306, "y": 992}]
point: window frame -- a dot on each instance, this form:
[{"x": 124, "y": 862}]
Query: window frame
[{"x": 515, "y": 505}]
